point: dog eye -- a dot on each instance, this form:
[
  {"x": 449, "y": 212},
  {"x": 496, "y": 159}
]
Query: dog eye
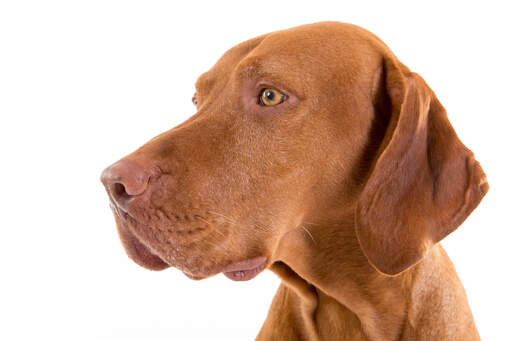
[
  {"x": 271, "y": 97},
  {"x": 194, "y": 100}
]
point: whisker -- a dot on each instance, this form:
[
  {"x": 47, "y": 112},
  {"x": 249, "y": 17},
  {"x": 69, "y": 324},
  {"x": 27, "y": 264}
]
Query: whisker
[
  {"x": 230, "y": 220},
  {"x": 309, "y": 233},
  {"x": 211, "y": 225},
  {"x": 263, "y": 228}
]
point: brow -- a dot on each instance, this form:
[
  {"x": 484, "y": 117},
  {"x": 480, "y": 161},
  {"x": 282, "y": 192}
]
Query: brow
[
  {"x": 253, "y": 68},
  {"x": 273, "y": 71}
]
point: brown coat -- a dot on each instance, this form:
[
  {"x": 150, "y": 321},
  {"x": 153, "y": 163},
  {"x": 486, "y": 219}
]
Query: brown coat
[{"x": 343, "y": 187}]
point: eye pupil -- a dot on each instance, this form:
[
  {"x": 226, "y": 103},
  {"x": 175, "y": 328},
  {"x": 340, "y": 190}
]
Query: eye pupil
[{"x": 270, "y": 95}]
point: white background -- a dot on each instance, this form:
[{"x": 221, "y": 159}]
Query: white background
[{"x": 83, "y": 83}]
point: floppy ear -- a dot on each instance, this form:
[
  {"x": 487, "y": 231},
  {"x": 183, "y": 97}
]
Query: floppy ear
[{"x": 424, "y": 182}]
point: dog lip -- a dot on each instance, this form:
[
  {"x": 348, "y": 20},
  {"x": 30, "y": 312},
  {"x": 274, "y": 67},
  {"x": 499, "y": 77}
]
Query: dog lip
[
  {"x": 245, "y": 270},
  {"x": 147, "y": 258},
  {"x": 137, "y": 251}
]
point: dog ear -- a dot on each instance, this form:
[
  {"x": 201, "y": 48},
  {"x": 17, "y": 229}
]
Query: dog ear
[{"x": 424, "y": 182}]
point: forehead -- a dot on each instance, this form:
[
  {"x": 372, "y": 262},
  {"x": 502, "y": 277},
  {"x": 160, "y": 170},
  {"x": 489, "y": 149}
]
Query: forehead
[{"x": 307, "y": 53}]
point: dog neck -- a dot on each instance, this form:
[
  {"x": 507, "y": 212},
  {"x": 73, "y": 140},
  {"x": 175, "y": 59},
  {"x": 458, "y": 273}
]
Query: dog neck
[{"x": 331, "y": 292}]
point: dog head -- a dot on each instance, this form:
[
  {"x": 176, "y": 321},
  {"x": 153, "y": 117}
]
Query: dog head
[{"x": 295, "y": 126}]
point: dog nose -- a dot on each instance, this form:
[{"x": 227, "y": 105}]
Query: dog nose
[{"x": 125, "y": 180}]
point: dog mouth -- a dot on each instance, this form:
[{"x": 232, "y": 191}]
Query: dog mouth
[
  {"x": 136, "y": 250},
  {"x": 144, "y": 256}
]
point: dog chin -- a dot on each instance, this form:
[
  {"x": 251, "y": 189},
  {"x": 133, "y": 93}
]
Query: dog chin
[
  {"x": 194, "y": 277},
  {"x": 237, "y": 271}
]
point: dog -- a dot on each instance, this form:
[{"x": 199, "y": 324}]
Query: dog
[{"x": 317, "y": 154}]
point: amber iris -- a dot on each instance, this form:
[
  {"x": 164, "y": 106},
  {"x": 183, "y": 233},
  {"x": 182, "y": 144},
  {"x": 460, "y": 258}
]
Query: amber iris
[{"x": 271, "y": 97}]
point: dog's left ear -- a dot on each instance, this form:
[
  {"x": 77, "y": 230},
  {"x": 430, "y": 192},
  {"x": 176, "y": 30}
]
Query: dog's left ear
[{"x": 424, "y": 182}]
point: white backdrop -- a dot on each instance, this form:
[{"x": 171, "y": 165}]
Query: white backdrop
[{"x": 83, "y": 83}]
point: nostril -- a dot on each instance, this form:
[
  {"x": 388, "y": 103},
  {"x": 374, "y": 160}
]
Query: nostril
[{"x": 119, "y": 193}]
